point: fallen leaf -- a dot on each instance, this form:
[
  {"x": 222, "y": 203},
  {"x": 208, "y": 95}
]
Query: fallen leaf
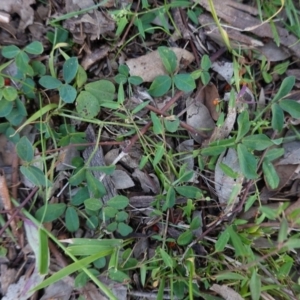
[
  {"x": 121, "y": 180},
  {"x": 226, "y": 292},
  {"x": 212, "y": 95},
  {"x": 150, "y": 65}
]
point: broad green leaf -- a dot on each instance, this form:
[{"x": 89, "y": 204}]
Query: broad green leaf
[
  {"x": 247, "y": 161},
  {"x": 170, "y": 199},
  {"x": 157, "y": 123},
  {"x": 213, "y": 150},
  {"x": 78, "y": 176},
  {"x": 168, "y": 58},
  {"x": 118, "y": 276},
  {"x": 34, "y": 48},
  {"x": 292, "y": 107},
  {"x": 109, "y": 212},
  {"x": 81, "y": 195},
  {"x": 205, "y": 62},
  {"x": 205, "y": 77},
  {"x": 196, "y": 223},
  {"x": 49, "y": 82},
  {"x": 70, "y": 69},
  {"x": 257, "y": 142},
  {"x": 120, "y": 79},
  {"x": 124, "y": 70},
  {"x": 10, "y": 51},
  {"x": 38, "y": 68},
  {"x": 118, "y": 202},
  {"x": 159, "y": 153},
  {"x": 93, "y": 204},
  {"x": 285, "y": 88},
  {"x": 50, "y": 212},
  {"x": 101, "y": 89},
  {"x": 222, "y": 241},
  {"x": 270, "y": 213},
  {"x": 293, "y": 243},
  {"x": 160, "y": 86},
  {"x": 9, "y": 93},
  {"x": 237, "y": 243},
  {"x": 121, "y": 216},
  {"x": 172, "y": 125},
  {"x": 189, "y": 191},
  {"x": 243, "y": 124},
  {"x": 5, "y": 107},
  {"x": 185, "y": 238},
  {"x": 277, "y": 117},
  {"x": 28, "y": 88},
  {"x": 67, "y": 93},
  {"x": 167, "y": 259},
  {"x": 255, "y": 286},
  {"x": 112, "y": 226},
  {"x": 121, "y": 25},
  {"x": 87, "y": 105},
  {"x": 184, "y": 82},
  {"x": 281, "y": 68},
  {"x": 135, "y": 80},
  {"x": 92, "y": 184},
  {"x": 124, "y": 229},
  {"x": 35, "y": 175},
  {"x": 140, "y": 107},
  {"x": 22, "y": 62},
  {"x": 24, "y": 149},
  {"x": 72, "y": 219},
  {"x": 273, "y": 154},
  {"x": 81, "y": 76},
  {"x": 228, "y": 171},
  {"x": 270, "y": 174}
]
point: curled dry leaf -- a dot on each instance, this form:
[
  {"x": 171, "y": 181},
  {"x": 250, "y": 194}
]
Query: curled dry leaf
[
  {"x": 199, "y": 117},
  {"x": 228, "y": 188},
  {"x": 150, "y": 65},
  {"x": 22, "y": 8},
  {"x": 148, "y": 183},
  {"x": 211, "y": 96},
  {"x": 224, "y": 69}
]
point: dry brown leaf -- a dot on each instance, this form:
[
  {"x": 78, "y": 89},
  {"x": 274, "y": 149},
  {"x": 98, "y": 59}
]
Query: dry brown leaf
[
  {"x": 199, "y": 117},
  {"x": 226, "y": 292},
  {"x": 22, "y": 8},
  {"x": 212, "y": 95},
  {"x": 272, "y": 52},
  {"x": 150, "y": 65},
  {"x": 121, "y": 180}
]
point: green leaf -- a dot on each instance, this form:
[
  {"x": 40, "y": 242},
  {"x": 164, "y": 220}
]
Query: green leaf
[
  {"x": 160, "y": 86},
  {"x": 293, "y": 243},
  {"x": 248, "y": 162},
  {"x": 222, "y": 241},
  {"x": 87, "y": 105},
  {"x": 109, "y": 212},
  {"x": 273, "y": 154},
  {"x": 81, "y": 76},
  {"x": 196, "y": 223},
  {"x": 101, "y": 89},
  {"x": 172, "y": 125},
  {"x": 135, "y": 80},
  {"x": 281, "y": 68},
  {"x": 157, "y": 125},
  {"x": 205, "y": 62},
  {"x": 167, "y": 259},
  {"x": 140, "y": 107},
  {"x": 169, "y": 59},
  {"x": 121, "y": 25},
  {"x": 67, "y": 93},
  {"x": 49, "y": 82},
  {"x": 81, "y": 195},
  {"x": 277, "y": 117},
  {"x": 34, "y": 48},
  {"x": 118, "y": 276},
  {"x": 283, "y": 231},
  {"x": 24, "y": 149},
  {"x": 189, "y": 192},
  {"x": 43, "y": 253},
  {"x": 10, "y": 51},
  {"x": 71, "y": 219},
  {"x": 120, "y": 79},
  {"x": 124, "y": 70},
  {"x": 10, "y": 93},
  {"x": 118, "y": 202},
  {"x": 205, "y": 77},
  {"x": 170, "y": 199},
  {"x": 112, "y": 226},
  {"x": 237, "y": 243},
  {"x": 243, "y": 124},
  {"x": 159, "y": 153},
  {"x": 93, "y": 204},
  {"x": 108, "y": 170},
  {"x": 257, "y": 142},
  {"x": 124, "y": 229},
  {"x": 35, "y": 175},
  {"x": 184, "y": 82},
  {"x": 78, "y": 176},
  {"x": 292, "y": 107},
  {"x": 270, "y": 174},
  {"x": 50, "y": 212},
  {"x": 285, "y": 88},
  {"x": 121, "y": 216},
  {"x": 38, "y": 68},
  {"x": 5, "y": 107},
  {"x": 255, "y": 286},
  {"x": 22, "y": 62},
  {"x": 70, "y": 69},
  {"x": 185, "y": 238}
]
